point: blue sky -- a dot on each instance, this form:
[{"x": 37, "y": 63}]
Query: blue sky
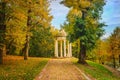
[
  {"x": 111, "y": 15},
  {"x": 59, "y": 13}
]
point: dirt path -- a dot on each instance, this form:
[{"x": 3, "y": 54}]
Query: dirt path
[{"x": 61, "y": 69}]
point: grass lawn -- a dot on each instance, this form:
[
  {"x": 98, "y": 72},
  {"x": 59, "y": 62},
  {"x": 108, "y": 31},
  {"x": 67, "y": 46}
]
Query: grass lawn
[
  {"x": 97, "y": 71},
  {"x": 15, "y": 68}
]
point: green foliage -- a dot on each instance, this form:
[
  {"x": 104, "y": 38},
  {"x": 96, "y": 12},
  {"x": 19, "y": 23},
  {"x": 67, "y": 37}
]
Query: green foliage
[
  {"x": 83, "y": 21},
  {"x": 42, "y": 43},
  {"x": 75, "y": 48},
  {"x": 87, "y": 32},
  {"x": 86, "y": 27}
]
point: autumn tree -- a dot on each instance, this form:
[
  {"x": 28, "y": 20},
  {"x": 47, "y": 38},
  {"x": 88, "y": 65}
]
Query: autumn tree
[
  {"x": 84, "y": 18},
  {"x": 20, "y": 20},
  {"x": 5, "y": 16},
  {"x": 16, "y": 28},
  {"x": 2, "y": 29},
  {"x": 37, "y": 17},
  {"x": 41, "y": 35},
  {"x": 100, "y": 52},
  {"x": 115, "y": 45}
]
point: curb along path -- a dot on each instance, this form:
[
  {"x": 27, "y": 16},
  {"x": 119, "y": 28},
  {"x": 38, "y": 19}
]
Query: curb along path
[{"x": 61, "y": 69}]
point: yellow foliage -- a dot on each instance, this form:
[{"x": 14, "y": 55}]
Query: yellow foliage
[
  {"x": 76, "y": 12},
  {"x": 84, "y": 3},
  {"x": 41, "y": 10}
]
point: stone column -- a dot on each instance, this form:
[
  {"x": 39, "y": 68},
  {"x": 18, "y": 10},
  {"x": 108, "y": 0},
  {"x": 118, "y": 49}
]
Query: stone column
[
  {"x": 70, "y": 50},
  {"x": 64, "y": 48},
  {"x": 56, "y": 48},
  {"x": 61, "y": 49}
]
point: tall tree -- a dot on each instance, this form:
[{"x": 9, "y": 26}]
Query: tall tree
[
  {"x": 100, "y": 52},
  {"x": 21, "y": 19},
  {"x": 41, "y": 35},
  {"x": 84, "y": 18},
  {"x": 2, "y": 29},
  {"x": 115, "y": 45},
  {"x": 4, "y": 18},
  {"x": 16, "y": 28},
  {"x": 29, "y": 24}
]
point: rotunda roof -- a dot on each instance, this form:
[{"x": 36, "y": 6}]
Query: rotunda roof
[{"x": 62, "y": 33}]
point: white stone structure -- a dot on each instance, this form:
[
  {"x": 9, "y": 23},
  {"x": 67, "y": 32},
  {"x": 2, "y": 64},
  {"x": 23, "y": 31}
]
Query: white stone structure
[{"x": 64, "y": 51}]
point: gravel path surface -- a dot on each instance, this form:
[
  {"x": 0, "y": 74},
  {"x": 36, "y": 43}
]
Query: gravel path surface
[{"x": 61, "y": 69}]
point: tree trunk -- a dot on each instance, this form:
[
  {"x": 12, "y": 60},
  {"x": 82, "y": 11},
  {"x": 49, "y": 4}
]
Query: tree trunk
[
  {"x": 26, "y": 48},
  {"x": 119, "y": 60},
  {"x": 1, "y": 55},
  {"x": 2, "y": 31},
  {"x": 82, "y": 54},
  {"x": 2, "y": 52},
  {"x": 78, "y": 50},
  {"x": 114, "y": 62},
  {"x": 9, "y": 47}
]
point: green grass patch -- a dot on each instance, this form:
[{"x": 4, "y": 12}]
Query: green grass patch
[
  {"x": 98, "y": 71},
  {"x": 19, "y": 69}
]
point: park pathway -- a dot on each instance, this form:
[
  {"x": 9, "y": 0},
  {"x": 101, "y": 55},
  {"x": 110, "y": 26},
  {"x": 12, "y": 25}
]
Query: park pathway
[{"x": 61, "y": 69}]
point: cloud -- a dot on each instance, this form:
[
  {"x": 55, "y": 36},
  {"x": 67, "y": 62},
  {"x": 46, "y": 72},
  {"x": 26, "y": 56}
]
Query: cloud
[
  {"x": 112, "y": 21},
  {"x": 115, "y": 19},
  {"x": 57, "y": 8},
  {"x": 105, "y": 36}
]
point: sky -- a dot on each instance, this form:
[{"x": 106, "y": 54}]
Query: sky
[
  {"x": 59, "y": 13},
  {"x": 111, "y": 15}
]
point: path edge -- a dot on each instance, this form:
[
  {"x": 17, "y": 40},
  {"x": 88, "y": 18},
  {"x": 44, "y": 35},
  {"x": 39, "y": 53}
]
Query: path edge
[{"x": 39, "y": 76}]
